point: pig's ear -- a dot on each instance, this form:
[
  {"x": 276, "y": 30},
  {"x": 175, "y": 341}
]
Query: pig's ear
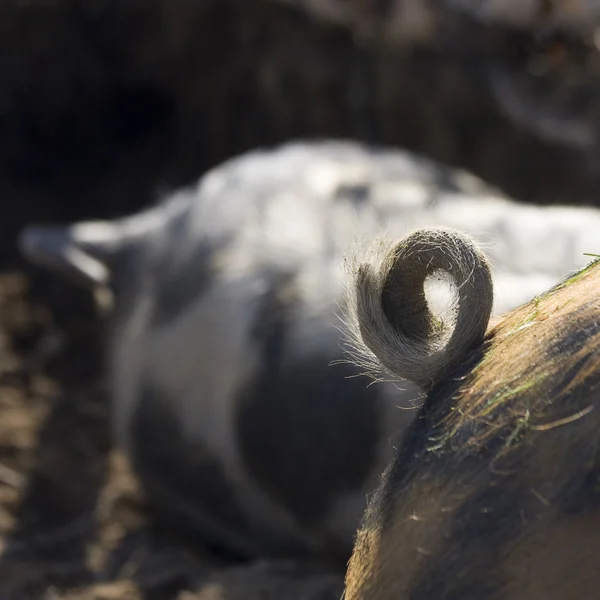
[
  {"x": 83, "y": 251},
  {"x": 388, "y": 317}
]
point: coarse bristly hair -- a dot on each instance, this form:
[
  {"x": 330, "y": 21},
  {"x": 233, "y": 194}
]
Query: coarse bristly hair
[{"x": 387, "y": 322}]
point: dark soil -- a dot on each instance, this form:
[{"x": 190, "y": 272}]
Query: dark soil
[
  {"x": 73, "y": 522},
  {"x": 102, "y": 103}
]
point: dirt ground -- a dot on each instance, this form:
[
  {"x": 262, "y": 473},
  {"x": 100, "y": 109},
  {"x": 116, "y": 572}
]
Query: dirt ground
[
  {"x": 103, "y": 102},
  {"x": 73, "y": 522}
]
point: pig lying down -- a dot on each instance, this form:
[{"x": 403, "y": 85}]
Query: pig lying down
[
  {"x": 224, "y": 328},
  {"x": 494, "y": 492}
]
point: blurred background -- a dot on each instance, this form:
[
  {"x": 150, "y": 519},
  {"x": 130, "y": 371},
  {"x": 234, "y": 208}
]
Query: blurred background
[{"x": 105, "y": 103}]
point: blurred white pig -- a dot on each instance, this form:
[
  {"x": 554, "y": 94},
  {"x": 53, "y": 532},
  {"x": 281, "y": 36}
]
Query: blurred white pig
[{"x": 223, "y": 330}]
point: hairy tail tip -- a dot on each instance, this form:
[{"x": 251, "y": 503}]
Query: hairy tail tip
[{"x": 389, "y": 325}]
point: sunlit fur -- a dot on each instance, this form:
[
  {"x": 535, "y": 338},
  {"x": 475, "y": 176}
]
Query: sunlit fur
[
  {"x": 412, "y": 342},
  {"x": 494, "y": 493}
]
